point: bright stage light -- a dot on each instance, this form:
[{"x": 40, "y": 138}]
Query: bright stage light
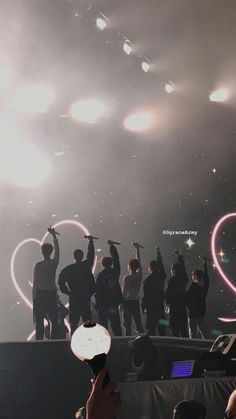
[
  {"x": 138, "y": 122},
  {"x": 169, "y": 88},
  {"x": 145, "y": 66},
  {"x": 219, "y": 95},
  {"x": 127, "y": 47},
  {"x": 88, "y": 111},
  {"x": 22, "y": 164},
  {"x": 33, "y": 98},
  {"x": 101, "y": 23}
]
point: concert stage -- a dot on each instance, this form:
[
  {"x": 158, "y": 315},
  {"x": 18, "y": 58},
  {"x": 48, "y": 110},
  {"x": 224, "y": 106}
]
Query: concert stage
[{"x": 45, "y": 380}]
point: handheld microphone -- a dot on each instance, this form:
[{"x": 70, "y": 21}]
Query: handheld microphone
[
  {"x": 51, "y": 230},
  {"x": 137, "y": 245},
  {"x": 205, "y": 258},
  {"x": 91, "y": 237},
  {"x": 110, "y": 242}
]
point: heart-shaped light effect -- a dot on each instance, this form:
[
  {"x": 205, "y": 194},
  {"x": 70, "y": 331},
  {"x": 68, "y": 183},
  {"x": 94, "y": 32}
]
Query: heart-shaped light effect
[
  {"x": 214, "y": 238},
  {"x": 28, "y": 303}
]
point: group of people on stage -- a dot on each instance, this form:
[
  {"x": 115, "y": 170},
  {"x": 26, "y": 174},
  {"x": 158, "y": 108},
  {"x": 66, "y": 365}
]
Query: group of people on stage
[{"x": 181, "y": 300}]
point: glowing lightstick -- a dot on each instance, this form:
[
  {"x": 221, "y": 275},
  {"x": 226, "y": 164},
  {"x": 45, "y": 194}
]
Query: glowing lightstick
[{"x": 91, "y": 343}]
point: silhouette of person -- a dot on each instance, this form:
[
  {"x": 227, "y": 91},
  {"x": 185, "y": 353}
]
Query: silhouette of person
[
  {"x": 189, "y": 409},
  {"x": 196, "y": 301},
  {"x": 175, "y": 298},
  {"x": 44, "y": 288},
  {"x": 131, "y": 286},
  {"x": 77, "y": 281},
  {"x": 108, "y": 294},
  {"x": 153, "y": 296}
]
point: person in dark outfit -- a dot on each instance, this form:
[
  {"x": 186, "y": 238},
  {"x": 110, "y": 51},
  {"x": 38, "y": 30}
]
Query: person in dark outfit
[
  {"x": 77, "y": 281},
  {"x": 175, "y": 298},
  {"x": 108, "y": 294},
  {"x": 196, "y": 301},
  {"x": 153, "y": 296}
]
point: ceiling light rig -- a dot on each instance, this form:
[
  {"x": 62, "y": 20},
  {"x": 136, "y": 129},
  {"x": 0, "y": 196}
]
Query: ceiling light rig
[
  {"x": 169, "y": 87},
  {"x": 101, "y": 23},
  {"x": 146, "y": 65},
  {"x": 219, "y": 95},
  {"x": 127, "y": 47}
]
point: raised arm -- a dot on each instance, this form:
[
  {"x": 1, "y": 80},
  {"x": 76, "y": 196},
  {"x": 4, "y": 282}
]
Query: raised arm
[
  {"x": 138, "y": 256},
  {"x": 161, "y": 269},
  {"x": 182, "y": 265},
  {"x": 56, "y": 255},
  {"x": 91, "y": 252},
  {"x": 91, "y": 284},
  {"x": 115, "y": 257}
]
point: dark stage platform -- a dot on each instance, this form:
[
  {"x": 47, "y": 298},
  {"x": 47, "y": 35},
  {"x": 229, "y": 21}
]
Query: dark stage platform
[{"x": 44, "y": 380}]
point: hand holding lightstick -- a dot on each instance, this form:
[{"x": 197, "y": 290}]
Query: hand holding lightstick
[{"x": 91, "y": 342}]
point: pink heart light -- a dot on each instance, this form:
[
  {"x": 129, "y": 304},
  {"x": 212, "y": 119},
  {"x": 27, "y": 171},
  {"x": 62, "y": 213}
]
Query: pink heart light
[
  {"x": 78, "y": 225},
  {"x": 215, "y": 259}
]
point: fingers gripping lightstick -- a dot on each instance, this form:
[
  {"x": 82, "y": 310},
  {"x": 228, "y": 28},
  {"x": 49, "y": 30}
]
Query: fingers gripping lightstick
[{"x": 91, "y": 343}]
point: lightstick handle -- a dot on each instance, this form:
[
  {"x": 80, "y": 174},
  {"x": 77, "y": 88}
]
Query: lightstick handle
[{"x": 97, "y": 363}]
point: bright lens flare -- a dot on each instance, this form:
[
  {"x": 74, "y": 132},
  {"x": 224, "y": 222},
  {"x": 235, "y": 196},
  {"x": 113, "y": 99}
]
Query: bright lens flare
[
  {"x": 33, "y": 98},
  {"x": 219, "y": 95},
  {"x": 23, "y": 165},
  {"x": 88, "y": 111},
  {"x": 139, "y": 122}
]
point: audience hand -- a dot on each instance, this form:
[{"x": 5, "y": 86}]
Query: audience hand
[{"x": 103, "y": 402}]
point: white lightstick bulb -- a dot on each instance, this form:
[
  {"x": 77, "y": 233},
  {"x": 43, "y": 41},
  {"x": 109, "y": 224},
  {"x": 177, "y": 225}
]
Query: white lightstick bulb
[{"x": 89, "y": 340}]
